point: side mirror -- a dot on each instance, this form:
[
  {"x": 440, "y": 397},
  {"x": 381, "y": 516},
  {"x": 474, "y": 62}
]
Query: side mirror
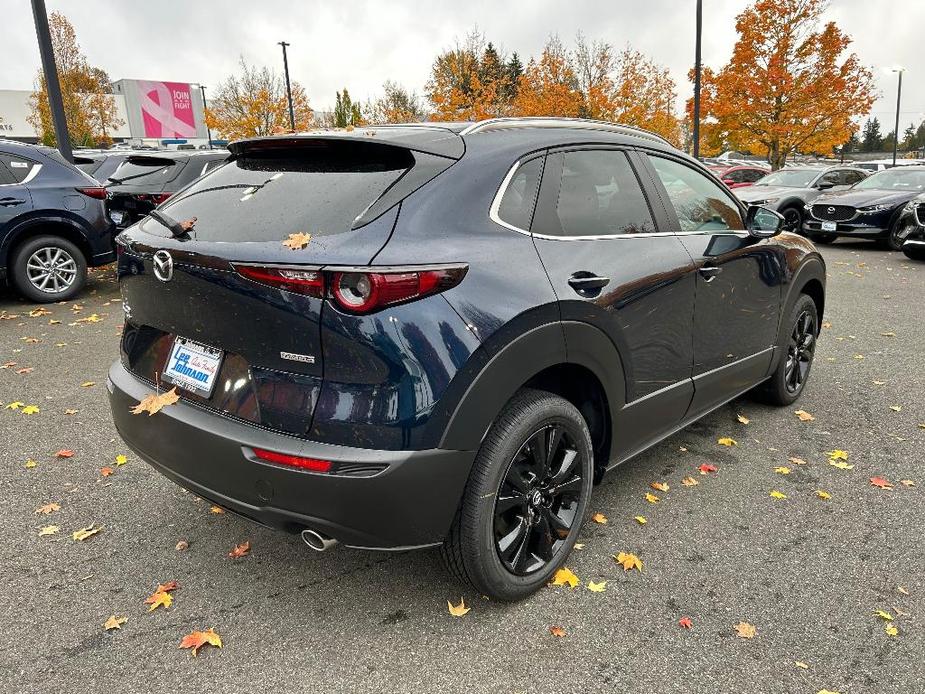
[{"x": 763, "y": 223}]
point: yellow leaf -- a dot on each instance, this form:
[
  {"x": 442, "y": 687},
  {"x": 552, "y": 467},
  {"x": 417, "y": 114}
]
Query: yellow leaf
[
  {"x": 651, "y": 498},
  {"x": 858, "y": 356},
  {"x": 888, "y": 334},
  {"x": 640, "y": 519},
  {"x": 895, "y": 408},
  {"x": 841, "y": 465},
  {"x": 84, "y": 533},
  {"x": 121, "y": 459},
  {"x": 891, "y": 630},
  {"x": 660, "y": 486},
  {"x": 902, "y": 590},
  {"x": 837, "y": 455},
  {"x": 30, "y": 409},
  {"x": 48, "y": 508},
  {"x": 218, "y": 510},
  {"x": 49, "y": 530},
  {"x": 458, "y": 610},
  {"x": 87, "y": 384},
  {"x": 782, "y": 470},
  {"x": 30, "y": 463},
  {"x": 599, "y": 518},
  {"x": 114, "y": 622},
  {"x": 726, "y": 441},
  {"x": 778, "y": 495},
  {"x": 579, "y": 546},
  {"x": 564, "y": 576},
  {"x": 154, "y": 403},
  {"x": 15, "y": 405},
  {"x": 886, "y": 616},
  {"x": 823, "y": 495},
  {"x": 743, "y": 419},
  {"x": 160, "y": 598},
  {"x": 801, "y": 664},
  {"x": 804, "y": 416},
  {"x": 297, "y": 241},
  {"x": 907, "y": 483},
  {"x": 744, "y": 630},
  {"x": 597, "y": 587},
  {"x": 689, "y": 482},
  {"x": 629, "y": 561}
]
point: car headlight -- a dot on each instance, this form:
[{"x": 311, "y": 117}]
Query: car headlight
[
  {"x": 874, "y": 208},
  {"x": 766, "y": 201}
]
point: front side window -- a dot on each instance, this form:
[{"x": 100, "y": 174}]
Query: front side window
[
  {"x": 699, "y": 203},
  {"x": 516, "y": 207},
  {"x": 598, "y": 195}
]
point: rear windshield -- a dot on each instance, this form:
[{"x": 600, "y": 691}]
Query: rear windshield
[
  {"x": 146, "y": 171},
  {"x": 267, "y": 195}
]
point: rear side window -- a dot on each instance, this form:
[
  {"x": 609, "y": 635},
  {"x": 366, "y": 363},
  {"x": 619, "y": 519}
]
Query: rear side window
[
  {"x": 752, "y": 175},
  {"x": 598, "y": 195},
  {"x": 16, "y": 168},
  {"x": 146, "y": 171},
  {"x": 265, "y": 195},
  {"x": 516, "y": 206}
]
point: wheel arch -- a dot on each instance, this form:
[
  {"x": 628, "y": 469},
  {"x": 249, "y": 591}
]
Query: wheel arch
[{"x": 41, "y": 226}]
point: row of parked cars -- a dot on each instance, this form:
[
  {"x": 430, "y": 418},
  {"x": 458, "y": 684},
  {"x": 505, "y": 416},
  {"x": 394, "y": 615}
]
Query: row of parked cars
[{"x": 57, "y": 218}]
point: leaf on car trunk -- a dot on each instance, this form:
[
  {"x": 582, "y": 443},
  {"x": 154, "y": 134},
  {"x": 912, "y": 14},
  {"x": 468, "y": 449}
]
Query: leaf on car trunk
[
  {"x": 297, "y": 241},
  {"x": 154, "y": 403}
]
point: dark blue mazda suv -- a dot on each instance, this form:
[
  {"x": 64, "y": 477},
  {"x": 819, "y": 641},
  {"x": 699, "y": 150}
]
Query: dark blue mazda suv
[{"x": 443, "y": 335}]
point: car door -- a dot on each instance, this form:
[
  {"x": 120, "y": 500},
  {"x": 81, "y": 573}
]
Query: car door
[
  {"x": 738, "y": 283},
  {"x": 599, "y": 241},
  {"x": 15, "y": 199}
]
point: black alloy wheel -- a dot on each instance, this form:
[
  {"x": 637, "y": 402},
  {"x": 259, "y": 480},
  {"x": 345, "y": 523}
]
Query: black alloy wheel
[
  {"x": 538, "y": 501},
  {"x": 793, "y": 219},
  {"x": 800, "y": 352}
]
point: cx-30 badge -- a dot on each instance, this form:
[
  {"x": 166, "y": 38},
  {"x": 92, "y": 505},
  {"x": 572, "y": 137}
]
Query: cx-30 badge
[{"x": 163, "y": 266}]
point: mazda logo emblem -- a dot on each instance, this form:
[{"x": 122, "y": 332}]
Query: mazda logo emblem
[
  {"x": 830, "y": 210},
  {"x": 163, "y": 266}
]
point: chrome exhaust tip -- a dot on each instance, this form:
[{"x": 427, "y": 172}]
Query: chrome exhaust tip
[{"x": 317, "y": 541}]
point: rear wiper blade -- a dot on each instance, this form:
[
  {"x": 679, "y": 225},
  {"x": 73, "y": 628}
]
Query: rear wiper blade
[{"x": 172, "y": 224}]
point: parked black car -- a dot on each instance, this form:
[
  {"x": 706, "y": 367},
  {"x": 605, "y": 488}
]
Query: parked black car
[
  {"x": 912, "y": 225},
  {"x": 100, "y": 164},
  {"x": 789, "y": 190},
  {"x": 53, "y": 223},
  {"x": 486, "y": 318},
  {"x": 143, "y": 181},
  {"x": 869, "y": 210}
]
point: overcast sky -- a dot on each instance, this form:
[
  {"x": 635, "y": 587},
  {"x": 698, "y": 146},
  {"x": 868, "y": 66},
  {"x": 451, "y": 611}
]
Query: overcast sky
[{"x": 360, "y": 44}]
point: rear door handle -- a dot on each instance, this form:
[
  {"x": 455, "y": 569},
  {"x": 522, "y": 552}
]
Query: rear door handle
[
  {"x": 709, "y": 272},
  {"x": 586, "y": 282},
  {"x": 11, "y": 202}
]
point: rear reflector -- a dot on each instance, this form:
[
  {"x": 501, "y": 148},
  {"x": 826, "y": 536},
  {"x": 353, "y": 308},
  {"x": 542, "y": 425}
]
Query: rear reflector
[
  {"x": 312, "y": 464},
  {"x": 98, "y": 193}
]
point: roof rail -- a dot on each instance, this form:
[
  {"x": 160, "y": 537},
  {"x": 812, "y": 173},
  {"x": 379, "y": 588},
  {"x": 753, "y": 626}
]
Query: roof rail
[{"x": 555, "y": 122}]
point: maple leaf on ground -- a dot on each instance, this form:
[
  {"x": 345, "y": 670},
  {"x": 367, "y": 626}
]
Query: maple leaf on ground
[
  {"x": 886, "y": 616},
  {"x": 15, "y": 405},
  {"x": 459, "y": 610},
  {"x": 800, "y": 664},
  {"x": 599, "y": 518},
  {"x": 706, "y": 467},
  {"x": 742, "y": 419},
  {"x": 565, "y": 577},
  {"x": 159, "y": 598},
  {"x": 7, "y": 365},
  {"x": 30, "y": 409},
  {"x": 49, "y": 530},
  {"x": 841, "y": 465},
  {"x": 241, "y": 550},
  {"x": 64, "y": 453},
  {"x": 744, "y": 630},
  {"x": 114, "y": 623},
  {"x": 881, "y": 483},
  {"x": 896, "y": 408},
  {"x": 782, "y": 470},
  {"x": 557, "y": 631},
  {"x": 907, "y": 483},
  {"x": 84, "y": 533},
  {"x": 297, "y": 241},
  {"x": 823, "y": 495},
  {"x": 689, "y": 482},
  {"x": 685, "y": 623},
  {"x": 837, "y": 455},
  {"x": 25, "y": 370},
  {"x": 30, "y": 464},
  {"x": 797, "y": 461},
  {"x": 198, "y": 639},
  {"x": 804, "y": 416},
  {"x": 154, "y": 403},
  {"x": 48, "y": 508},
  {"x": 640, "y": 519},
  {"x": 218, "y": 510},
  {"x": 777, "y": 495},
  {"x": 121, "y": 459},
  {"x": 182, "y": 546},
  {"x": 87, "y": 384},
  {"x": 106, "y": 471},
  {"x": 660, "y": 486},
  {"x": 597, "y": 587},
  {"x": 628, "y": 561},
  {"x": 891, "y": 630},
  {"x": 651, "y": 498},
  {"x": 70, "y": 412},
  {"x": 727, "y": 441}
]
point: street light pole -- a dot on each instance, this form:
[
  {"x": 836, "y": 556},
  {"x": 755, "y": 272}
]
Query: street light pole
[
  {"x": 899, "y": 94},
  {"x": 697, "y": 80},
  {"x": 202, "y": 90},
  {"x": 288, "y": 87},
  {"x": 52, "y": 86}
]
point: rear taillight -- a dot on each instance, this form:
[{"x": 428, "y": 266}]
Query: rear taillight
[
  {"x": 308, "y": 282},
  {"x": 297, "y": 461},
  {"x": 95, "y": 192},
  {"x": 359, "y": 290}
]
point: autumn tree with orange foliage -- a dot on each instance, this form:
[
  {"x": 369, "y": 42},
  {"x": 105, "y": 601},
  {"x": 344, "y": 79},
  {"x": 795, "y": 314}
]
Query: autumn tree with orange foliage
[
  {"x": 254, "y": 103},
  {"x": 549, "y": 86},
  {"x": 788, "y": 88}
]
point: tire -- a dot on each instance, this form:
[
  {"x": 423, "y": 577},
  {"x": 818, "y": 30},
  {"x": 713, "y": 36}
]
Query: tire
[
  {"x": 914, "y": 253},
  {"x": 824, "y": 239},
  {"x": 780, "y": 389},
  {"x": 484, "y": 546},
  {"x": 895, "y": 239},
  {"x": 793, "y": 219},
  {"x": 68, "y": 275}
]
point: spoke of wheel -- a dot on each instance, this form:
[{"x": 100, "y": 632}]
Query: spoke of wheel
[
  {"x": 555, "y": 522},
  {"x": 506, "y": 502},
  {"x": 513, "y": 543},
  {"x": 55, "y": 280},
  {"x": 539, "y": 452},
  {"x": 544, "y": 538},
  {"x": 565, "y": 467},
  {"x": 44, "y": 282},
  {"x": 571, "y": 485}
]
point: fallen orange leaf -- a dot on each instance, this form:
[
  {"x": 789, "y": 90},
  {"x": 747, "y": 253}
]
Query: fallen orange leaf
[
  {"x": 689, "y": 482},
  {"x": 744, "y": 630},
  {"x": 459, "y": 610},
  {"x": 804, "y": 416},
  {"x": 706, "y": 467},
  {"x": 557, "y": 631},
  {"x": 629, "y": 561},
  {"x": 106, "y": 471},
  {"x": 64, "y": 453},
  {"x": 48, "y": 508},
  {"x": 686, "y": 623},
  {"x": 114, "y": 622},
  {"x": 241, "y": 550},
  {"x": 198, "y": 639},
  {"x": 881, "y": 483},
  {"x": 297, "y": 241},
  {"x": 563, "y": 577},
  {"x": 660, "y": 486}
]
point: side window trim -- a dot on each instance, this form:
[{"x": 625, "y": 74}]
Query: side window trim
[
  {"x": 495, "y": 207},
  {"x": 674, "y": 222}
]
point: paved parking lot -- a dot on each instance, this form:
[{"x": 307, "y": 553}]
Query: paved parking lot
[{"x": 808, "y": 573}]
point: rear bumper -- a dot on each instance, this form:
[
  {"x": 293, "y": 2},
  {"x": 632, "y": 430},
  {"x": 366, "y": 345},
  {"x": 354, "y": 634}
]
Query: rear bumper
[{"x": 411, "y": 503}]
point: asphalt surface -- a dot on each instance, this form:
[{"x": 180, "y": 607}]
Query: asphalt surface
[{"x": 808, "y": 573}]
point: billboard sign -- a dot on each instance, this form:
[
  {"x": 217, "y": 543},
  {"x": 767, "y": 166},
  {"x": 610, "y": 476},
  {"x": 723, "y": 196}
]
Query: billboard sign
[{"x": 166, "y": 109}]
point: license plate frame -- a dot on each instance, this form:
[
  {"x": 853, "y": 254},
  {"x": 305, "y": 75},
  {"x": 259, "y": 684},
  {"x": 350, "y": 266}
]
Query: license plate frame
[
  {"x": 117, "y": 216},
  {"x": 830, "y": 226},
  {"x": 193, "y": 366}
]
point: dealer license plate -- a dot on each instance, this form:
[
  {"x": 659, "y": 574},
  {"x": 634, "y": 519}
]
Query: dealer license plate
[
  {"x": 117, "y": 216},
  {"x": 829, "y": 226},
  {"x": 193, "y": 366}
]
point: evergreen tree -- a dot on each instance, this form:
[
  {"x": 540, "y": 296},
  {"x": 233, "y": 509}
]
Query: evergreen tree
[
  {"x": 344, "y": 110},
  {"x": 853, "y": 144},
  {"x": 515, "y": 69},
  {"x": 909, "y": 141},
  {"x": 872, "y": 140}
]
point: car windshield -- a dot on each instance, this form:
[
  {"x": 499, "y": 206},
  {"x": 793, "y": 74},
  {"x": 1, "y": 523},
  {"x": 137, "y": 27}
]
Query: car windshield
[
  {"x": 794, "y": 178},
  {"x": 894, "y": 179}
]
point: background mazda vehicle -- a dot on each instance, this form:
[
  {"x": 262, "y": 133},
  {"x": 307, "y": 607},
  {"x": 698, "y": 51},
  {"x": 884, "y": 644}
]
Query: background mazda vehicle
[
  {"x": 100, "y": 164},
  {"x": 143, "y": 181},
  {"x": 789, "y": 190},
  {"x": 442, "y": 335},
  {"x": 739, "y": 175},
  {"x": 870, "y": 210},
  {"x": 53, "y": 223}
]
